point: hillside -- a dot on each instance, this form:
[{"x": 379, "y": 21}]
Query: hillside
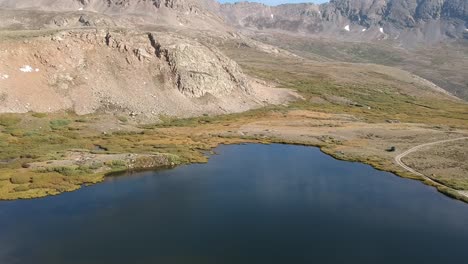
[
  {"x": 96, "y": 56},
  {"x": 91, "y": 87},
  {"x": 405, "y": 21},
  {"x": 427, "y": 38}
]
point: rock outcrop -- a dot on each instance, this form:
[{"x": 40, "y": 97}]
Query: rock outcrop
[
  {"x": 142, "y": 74},
  {"x": 199, "y": 69}
]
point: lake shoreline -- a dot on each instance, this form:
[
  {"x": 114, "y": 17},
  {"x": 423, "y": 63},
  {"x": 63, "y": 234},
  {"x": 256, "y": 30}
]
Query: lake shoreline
[
  {"x": 100, "y": 178},
  {"x": 289, "y": 202}
]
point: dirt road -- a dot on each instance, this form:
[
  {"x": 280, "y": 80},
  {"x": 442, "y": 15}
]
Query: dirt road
[{"x": 416, "y": 148}]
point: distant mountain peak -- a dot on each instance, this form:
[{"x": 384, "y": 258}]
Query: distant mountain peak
[{"x": 427, "y": 20}]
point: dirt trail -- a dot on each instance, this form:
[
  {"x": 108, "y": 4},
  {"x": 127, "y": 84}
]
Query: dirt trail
[{"x": 416, "y": 148}]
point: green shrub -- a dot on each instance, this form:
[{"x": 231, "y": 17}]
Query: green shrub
[
  {"x": 122, "y": 119},
  {"x": 66, "y": 171},
  {"x": 71, "y": 134},
  {"x": 174, "y": 159},
  {"x": 95, "y": 165},
  {"x": 73, "y": 170},
  {"x": 84, "y": 169},
  {"x": 59, "y": 123},
  {"x": 20, "y": 179},
  {"x": 16, "y": 132},
  {"x": 116, "y": 164},
  {"x": 8, "y": 120},
  {"x": 21, "y": 188},
  {"x": 31, "y": 134},
  {"x": 39, "y": 115}
]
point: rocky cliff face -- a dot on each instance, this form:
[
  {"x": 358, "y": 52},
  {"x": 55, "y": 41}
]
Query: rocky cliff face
[
  {"x": 198, "y": 69},
  {"x": 407, "y": 20}
]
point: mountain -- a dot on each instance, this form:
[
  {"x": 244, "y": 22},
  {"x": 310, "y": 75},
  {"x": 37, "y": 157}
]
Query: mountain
[
  {"x": 128, "y": 13},
  {"x": 405, "y": 21},
  {"x": 113, "y": 6},
  {"x": 166, "y": 57},
  {"x": 144, "y": 57}
]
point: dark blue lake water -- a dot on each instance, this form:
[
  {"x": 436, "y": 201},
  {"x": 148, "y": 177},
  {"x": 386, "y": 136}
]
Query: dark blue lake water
[{"x": 249, "y": 204}]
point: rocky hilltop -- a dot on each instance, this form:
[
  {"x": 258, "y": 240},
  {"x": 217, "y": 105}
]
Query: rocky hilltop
[
  {"x": 404, "y": 20},
  {"x": 141, "y": 74},
  {"x": 143, "y": 58}
]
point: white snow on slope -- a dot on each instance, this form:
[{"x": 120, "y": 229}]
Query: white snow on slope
[
  {"x": 28, "y": 68},
  {"x": 381, "y": 30},
  {"x": 346, "y": 27}
]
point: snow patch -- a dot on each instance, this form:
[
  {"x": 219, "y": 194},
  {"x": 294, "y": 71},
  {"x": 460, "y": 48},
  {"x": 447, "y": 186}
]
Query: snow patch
[
  {"x": 80, "y": 9},
  {"x": 364, "y": 29},
  {"x": 4, "y": 76},
  {"x": 272, "y": 16},
  {"x": 26, "y": 68},
  {"x": 346, "y": 27},
  {"x": 381, "y": 30}
]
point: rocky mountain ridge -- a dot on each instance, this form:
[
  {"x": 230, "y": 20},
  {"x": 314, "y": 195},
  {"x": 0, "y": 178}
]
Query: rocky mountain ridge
[
  {"x": 154, "y": 57},
  {"x": 404, "y": 20},
  {"x": 197, "y": 14},
  {"x": 401, "y": 20},
  {"x": 112, "y": 5}
]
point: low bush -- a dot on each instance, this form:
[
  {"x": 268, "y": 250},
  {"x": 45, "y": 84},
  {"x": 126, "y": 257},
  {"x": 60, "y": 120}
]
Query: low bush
[
  {"x": 8, "y": 120},
  {"x": 21, "y": 188},
  {"x": 20, "y": 179},
  {"x": 122, "y": 119},
  {"x": 95, "y": 165},
  {"x": 59, "y": 123},
  {"x": 116, "y": 164},
  {"x": 65, "y": 171},
  {"x": 39, "y": 115}
]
